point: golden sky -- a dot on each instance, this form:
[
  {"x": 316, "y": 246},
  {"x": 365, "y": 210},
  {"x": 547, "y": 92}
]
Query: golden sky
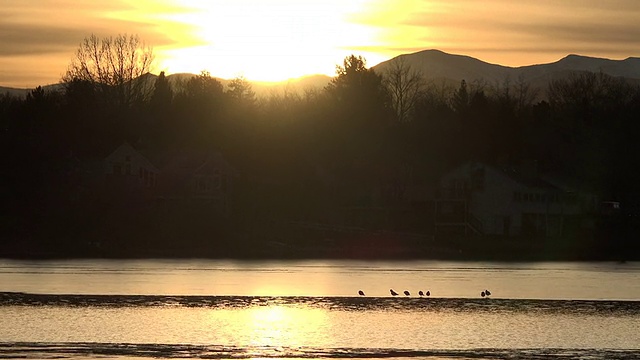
[{"x": 273, "y": 40}]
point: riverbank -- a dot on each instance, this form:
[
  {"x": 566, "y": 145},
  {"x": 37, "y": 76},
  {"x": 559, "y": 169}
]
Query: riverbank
[{"x": 372, "y": 246}]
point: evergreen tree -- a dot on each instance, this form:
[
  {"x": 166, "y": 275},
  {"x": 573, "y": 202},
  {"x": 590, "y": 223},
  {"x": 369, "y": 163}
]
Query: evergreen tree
[
  {"x": 461, "y": 99},
  {"x": 162, "y": 93}
]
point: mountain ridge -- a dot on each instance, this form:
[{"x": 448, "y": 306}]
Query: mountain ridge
[
  {"x": 437, "y": 64},
  {"x": 469, "y": 68}
]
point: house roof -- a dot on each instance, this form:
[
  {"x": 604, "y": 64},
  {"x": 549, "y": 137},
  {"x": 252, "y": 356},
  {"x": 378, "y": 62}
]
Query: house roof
[
  {"x": 126, "y": 148},
  {"x": 515, "y": 175},
  {"x": 178, "y": 169},
  {"x": 528, "y": 181}
]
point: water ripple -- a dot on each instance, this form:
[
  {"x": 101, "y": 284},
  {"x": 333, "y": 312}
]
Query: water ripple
[
  {"x": 35, "y": 350},
  {"x": 585, "y": 307}
]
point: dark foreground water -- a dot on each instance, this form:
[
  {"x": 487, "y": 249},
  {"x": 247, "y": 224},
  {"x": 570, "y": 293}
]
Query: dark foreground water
[{"x": 225, "y": 310}]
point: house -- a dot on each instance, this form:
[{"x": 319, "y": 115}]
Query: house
[
  {"x": 126, "y": 166},
  {"x": 478, "y": 199},
  {"x": 197, "y": 178}
]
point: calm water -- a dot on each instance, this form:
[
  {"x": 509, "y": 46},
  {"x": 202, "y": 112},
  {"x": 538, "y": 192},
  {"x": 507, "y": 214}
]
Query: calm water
[{"x": 216, "y": 309}]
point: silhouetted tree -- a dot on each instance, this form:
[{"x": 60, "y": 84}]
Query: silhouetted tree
[
  {"x": 203, "y": 88},
  {"x": 162, "y": 93},
  {"x": 357, "y": 116},
  {"x": 589, "y": 97},
  {"x": 461, "y": 98},
  {"x": 241, "y": 91},
  {"x": 113, "y": 66},
  {"x": 593, "y": 114},
  {"x": 200, "y": 105},
  {"x": 525, "y": 95},
  {"x": 358, "y": 93},
  {"x": 353, "y": 76},
  {"x": 405, "y": 87},
  {"x": 161, "y": 114}
]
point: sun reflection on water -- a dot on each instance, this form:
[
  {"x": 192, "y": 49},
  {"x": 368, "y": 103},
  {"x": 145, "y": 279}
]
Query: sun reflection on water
[{"x": 274, "y": 325}]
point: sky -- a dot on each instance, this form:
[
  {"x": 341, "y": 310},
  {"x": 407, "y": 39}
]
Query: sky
[{"x": 272, "y": 40}]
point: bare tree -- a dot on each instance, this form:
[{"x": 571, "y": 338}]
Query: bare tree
[
  {"x": 114, "y": 67},
  {"x": 405, "y": 87},
  {"x": 518, "y": 95},
  {"x": 525, "y": 94}
]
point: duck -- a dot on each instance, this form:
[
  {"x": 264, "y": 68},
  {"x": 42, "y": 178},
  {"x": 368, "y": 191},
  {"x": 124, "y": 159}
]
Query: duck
[
  {"x": 428, "y": 293},
  {"x": 420, "y": 293},
  {"x": 361, "y": 293},
  {"x": 487, "y": 292},
  {"x": 483, "y": 294},
  {"x": 393, "y": 292},
  {"x": 407, "y": 293}
]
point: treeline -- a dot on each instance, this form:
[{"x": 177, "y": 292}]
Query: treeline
[{"x": 302, "y": 153}]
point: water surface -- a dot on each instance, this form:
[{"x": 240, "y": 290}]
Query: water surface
[{"x": 213, "y": 309}]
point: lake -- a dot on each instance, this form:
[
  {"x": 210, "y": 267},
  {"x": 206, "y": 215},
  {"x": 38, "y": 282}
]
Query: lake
[{"x": 132, "y": 309}]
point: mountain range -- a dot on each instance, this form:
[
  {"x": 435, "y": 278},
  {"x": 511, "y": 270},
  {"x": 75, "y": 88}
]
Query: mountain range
[{"x": 436, "y": 65}]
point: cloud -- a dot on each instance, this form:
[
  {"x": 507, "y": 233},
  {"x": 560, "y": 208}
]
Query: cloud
[
  {"x": 597, "y": 32},
  {"x": 507, "y": 32},
  {"x": 49, "y": 32},
  {"x": 528, "y": 27},
  {"x": 23, "y": 39},
  {"x": 30, "y": 30}
]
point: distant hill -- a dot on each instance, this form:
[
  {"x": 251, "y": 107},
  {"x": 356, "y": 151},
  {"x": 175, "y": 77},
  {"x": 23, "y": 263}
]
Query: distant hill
[
  {"x": 14, "y": 91},
  {"x": 266, "y": 88},
  {"x": 438, "y": 65},
  {"x": 299, "y": 85},
  {"x": 22, "y": 92}
]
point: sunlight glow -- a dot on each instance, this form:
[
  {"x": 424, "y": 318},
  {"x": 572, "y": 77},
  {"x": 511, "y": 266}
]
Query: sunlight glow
[
  {"x": 285, "y": 325},
  {"x": 275, "y": 40},
  {"x": 267, "y": 40}
]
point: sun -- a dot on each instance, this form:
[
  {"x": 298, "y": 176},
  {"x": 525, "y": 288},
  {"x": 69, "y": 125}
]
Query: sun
[{"x": 268, "y": 40}]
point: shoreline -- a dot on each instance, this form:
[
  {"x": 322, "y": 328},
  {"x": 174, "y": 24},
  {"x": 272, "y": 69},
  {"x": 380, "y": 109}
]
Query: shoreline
[{"x": 267, "y": 254}]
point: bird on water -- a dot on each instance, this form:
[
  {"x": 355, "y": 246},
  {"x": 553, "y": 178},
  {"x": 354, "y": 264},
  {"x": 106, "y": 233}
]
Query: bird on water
[
  {"x": 483, "y": 294},
  {"x": 420, "y": 293},
  {"x": 407, "y": 293},
  {"x": 393, "y": 292},
  {"x": 487, "y": 292},
  {"x": 428, "y": 293},
  {"x": 360, "y": 292}
]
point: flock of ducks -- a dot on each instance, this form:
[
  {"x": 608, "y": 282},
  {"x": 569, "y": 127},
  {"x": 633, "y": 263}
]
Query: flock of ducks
[{"x": 485, "y": 293}]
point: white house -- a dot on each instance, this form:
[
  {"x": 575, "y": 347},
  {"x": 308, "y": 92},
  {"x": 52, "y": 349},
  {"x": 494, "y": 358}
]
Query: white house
[
  {"x": 198, "y": 177},
  {"x": 476, "y": 198},
  {"x": 127, "y": 164}
]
